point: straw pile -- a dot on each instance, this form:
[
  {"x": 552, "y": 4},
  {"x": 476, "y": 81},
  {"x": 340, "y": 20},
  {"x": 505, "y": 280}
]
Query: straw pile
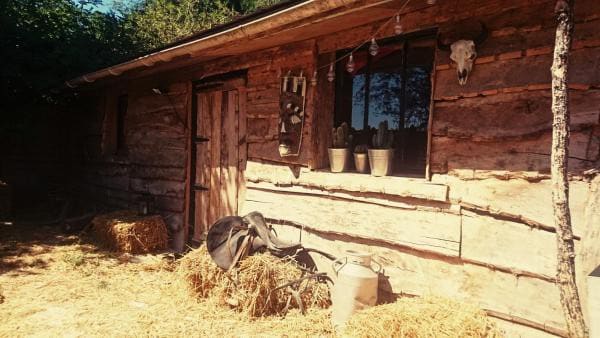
[
  {"x": 124, "y": 231},
  {"x": 422, "y": 317},
  {"x": 200, "y": 272},
  {"x": 248, "y": 288}
]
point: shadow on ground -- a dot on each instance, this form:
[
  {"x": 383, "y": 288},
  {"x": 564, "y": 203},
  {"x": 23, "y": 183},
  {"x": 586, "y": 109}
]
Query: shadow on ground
[{"x": 25, "y": 248}]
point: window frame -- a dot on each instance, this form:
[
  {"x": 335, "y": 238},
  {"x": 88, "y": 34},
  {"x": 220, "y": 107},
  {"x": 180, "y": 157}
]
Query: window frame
[
  {"x": 114, "y": 127},
  {"x": 405, "y": 42},
  {"x": 120, "y": 128}
]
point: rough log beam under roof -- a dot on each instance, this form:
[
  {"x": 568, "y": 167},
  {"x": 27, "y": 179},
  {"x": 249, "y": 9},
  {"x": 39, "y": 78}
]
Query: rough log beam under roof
[{"x": 302, "y": 21}]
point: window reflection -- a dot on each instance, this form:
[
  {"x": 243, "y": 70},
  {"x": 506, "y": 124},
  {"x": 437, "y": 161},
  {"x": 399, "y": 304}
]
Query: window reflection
[{"x": 395, "y": 86}]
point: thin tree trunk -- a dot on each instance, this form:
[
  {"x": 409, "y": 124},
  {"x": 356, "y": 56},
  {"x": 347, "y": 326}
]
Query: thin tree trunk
[{"x": 565, "y": 275}]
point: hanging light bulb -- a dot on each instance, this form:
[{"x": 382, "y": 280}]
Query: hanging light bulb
[
  {"x": 398, "y": 27},
  {"x": 373, "y": 48},
  {"x": 350, "y": 65},
  {"x": 313, "y": 81},
  {"x": 330, "y": 74}
]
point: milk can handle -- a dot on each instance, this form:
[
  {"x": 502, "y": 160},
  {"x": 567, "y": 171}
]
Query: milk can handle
[
  {"x": 339, "y": 261},
  {"x": 378, "y": 266}
]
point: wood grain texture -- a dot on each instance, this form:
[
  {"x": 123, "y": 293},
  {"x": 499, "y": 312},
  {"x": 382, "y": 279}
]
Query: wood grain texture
[
  {"x": 494, "y": 117},
  {"x": 242, "y": 147},
  {"x": 511, "y": 73},
  {"x": 214, "y": 208},
  {"x": 508, "y": 244},
  {"x": 528, "y": 154},
  {"x": 517, "y": 197},
  {"x": 229, "y": 151},
  {"x": 432, "y": 231},
  {"x": 534, "y": 299},
  {"x": 398, "y": 186},
  {"x": 588, "y": 258},
  {"x": 322, "y": 116}
]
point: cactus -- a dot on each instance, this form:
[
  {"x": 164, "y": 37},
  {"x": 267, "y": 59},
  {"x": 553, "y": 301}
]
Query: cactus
[
  {"x": 384, "y": 138},
  {"x": 361, "y": 149},
  {"x": 341, "y": 136}
]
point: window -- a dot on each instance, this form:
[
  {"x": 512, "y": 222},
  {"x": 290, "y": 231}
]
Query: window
[
  {"x": 121, "y": 114},
  {"x": 392, "y": 86},
  {"x": 114, "y": 133}
]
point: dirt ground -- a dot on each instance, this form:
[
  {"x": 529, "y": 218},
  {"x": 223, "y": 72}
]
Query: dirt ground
[{"x": 53, "y": 284}]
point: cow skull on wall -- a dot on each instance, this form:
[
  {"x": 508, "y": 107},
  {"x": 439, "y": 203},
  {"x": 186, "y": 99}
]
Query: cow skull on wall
[{"x": 463, "y": 53}]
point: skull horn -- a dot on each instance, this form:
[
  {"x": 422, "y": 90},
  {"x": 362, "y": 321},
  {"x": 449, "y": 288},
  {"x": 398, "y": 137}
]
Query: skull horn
[
  {"x": 483, "y": 35},
  {"x": 442, "y": 46}
]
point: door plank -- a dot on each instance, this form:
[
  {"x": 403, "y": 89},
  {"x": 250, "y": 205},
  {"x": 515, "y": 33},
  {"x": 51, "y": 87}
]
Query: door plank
[
  {"x": 242, "y": 147},
  {"x": 229, "y": 154},
  {"x": 221, "y": 120},
  {"x": 215, "y": 162},
  {"x": 203, "y": 165}
]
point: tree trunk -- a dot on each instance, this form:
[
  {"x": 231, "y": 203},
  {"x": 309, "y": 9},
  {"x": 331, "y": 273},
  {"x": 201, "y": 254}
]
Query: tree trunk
[{"x": 565, "y": 275}]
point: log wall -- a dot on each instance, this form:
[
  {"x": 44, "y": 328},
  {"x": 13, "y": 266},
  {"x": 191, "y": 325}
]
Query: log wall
[
  {"x": 480, "y": 228},
  {"x": 154, "y": 159}
]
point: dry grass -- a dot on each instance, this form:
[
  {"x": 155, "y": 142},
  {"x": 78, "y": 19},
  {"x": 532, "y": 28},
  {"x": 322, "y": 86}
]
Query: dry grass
[
  {"x": 124, "y": 231},
  {"x": 200, "y": 272},
  {"x": 422, "y": 317},
  {"x": 248, "y": 288},
  {"x": 71, "y": 289},
  {"x": 55, "y": 286}
]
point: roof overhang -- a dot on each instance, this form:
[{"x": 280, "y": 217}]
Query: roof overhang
[{"x": 294, "y": 21}]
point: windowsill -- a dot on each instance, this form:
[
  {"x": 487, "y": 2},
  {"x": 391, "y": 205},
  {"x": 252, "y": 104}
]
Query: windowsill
[{"x": 411, "y": 187}]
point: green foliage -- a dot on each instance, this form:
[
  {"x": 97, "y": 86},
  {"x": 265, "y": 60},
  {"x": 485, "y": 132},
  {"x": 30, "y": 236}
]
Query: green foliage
[
  {"x": 247, "y": 6},
  {"x": 47, "y": 42},
  {"x": 155, "y": 23}
]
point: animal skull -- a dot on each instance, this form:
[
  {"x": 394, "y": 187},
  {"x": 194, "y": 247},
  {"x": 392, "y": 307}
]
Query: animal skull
[{"x": 463, "y": 54}]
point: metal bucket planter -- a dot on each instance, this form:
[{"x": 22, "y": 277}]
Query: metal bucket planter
[
  {"x": 361, "y": 162},
  {"x": 338, "y": 159},
  {"x": 381, "y": 161}
]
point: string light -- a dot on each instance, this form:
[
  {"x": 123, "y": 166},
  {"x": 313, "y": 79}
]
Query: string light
[
  {"x": 350, "y": 65},
  {"x": 373, "y": 48},
  {"x": 330, "y": 74},
  {"x": 398, "y": 27}
]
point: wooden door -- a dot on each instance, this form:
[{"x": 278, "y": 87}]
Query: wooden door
[{"x": 218, "y": 155}]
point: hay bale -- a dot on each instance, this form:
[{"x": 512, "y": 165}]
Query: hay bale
[
  {"x": 199, "y": 272},
  {"x": 248, "y": 288},
  {"x": 125, "y": 231},
  {"x": 422, "y": 317}
]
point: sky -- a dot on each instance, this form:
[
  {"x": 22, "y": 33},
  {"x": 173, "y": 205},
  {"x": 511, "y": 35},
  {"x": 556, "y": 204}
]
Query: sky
[{"x": 108, "y": 4}]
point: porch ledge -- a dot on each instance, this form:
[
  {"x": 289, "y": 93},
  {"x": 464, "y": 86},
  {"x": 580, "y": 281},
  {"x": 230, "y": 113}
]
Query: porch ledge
[{"x": 281, "y": 174}]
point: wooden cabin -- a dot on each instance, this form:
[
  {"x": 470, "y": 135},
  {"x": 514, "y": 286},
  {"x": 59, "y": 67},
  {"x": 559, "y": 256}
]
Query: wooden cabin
[{"x": 466, "y": 212}]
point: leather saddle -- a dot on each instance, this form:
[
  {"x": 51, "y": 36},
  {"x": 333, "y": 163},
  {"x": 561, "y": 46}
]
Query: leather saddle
[{"x": 232, "y": 238}]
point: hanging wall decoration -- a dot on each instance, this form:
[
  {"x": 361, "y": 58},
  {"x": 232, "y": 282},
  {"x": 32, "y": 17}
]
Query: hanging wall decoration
[{"x": 291, "y": 113}]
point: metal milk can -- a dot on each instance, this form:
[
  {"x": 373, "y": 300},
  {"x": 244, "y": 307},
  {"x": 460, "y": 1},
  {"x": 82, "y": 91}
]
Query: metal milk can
[{"x": 355, "y": 287}]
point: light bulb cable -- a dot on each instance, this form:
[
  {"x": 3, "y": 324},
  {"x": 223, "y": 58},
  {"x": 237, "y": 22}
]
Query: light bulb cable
[{"x": 397, "y": 14}]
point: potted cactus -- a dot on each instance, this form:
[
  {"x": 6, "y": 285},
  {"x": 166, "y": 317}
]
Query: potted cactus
[
  {"x": 339, "y": 154},
  {"x": 381, "y": 155},
  {"x": 361, "y": 160}
]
